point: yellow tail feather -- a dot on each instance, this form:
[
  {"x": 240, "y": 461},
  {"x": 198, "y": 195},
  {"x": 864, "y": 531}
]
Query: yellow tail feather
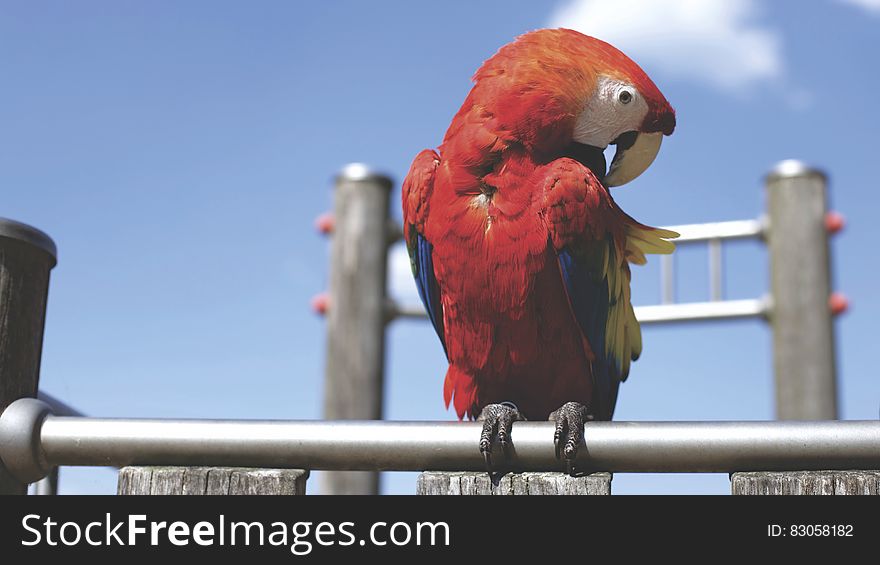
[{"x": 641, "y": 240}]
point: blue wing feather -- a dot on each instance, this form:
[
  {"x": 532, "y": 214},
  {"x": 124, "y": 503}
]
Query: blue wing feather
[
  {"x": 588, "y": 294},
  {"x": 429, "y": 291}
]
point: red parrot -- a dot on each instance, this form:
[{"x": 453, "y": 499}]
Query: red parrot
[{"x": 519, "y": 252}]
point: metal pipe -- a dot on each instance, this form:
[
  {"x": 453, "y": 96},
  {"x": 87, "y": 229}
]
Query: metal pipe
[
  {"x": 703, "y": 311},
  {"x": 656, "y": 314},
  {"x": 32, "y": 440},
  {"x": 59, "y": 407},
  {"x": 670, "y": 311},
  {"x": 737, "y": 229},
  {"x": 48, "y": 485},
  {"x": 695, "y": 233},
  {"x": 716, "y": 266},
  {"x": 667, "y": 279}
]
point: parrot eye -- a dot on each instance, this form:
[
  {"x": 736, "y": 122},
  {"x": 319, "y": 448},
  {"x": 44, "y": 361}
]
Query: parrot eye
[{"x": 625, "y": 97}]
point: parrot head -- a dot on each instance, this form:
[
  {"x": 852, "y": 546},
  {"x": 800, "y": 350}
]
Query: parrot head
[{"x": 556, "y": 88}]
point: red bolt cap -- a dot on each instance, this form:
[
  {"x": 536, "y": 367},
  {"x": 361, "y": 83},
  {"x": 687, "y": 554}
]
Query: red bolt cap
[
  {"x": 838, "y": 302},
  {"x": 325, "y": 223},
  {"x": 834, "y": 222},
  {"x": 320, "y": 302}
]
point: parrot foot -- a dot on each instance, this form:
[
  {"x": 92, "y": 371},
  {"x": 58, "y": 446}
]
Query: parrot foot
[
  {"x": 569, "y": 432},
  {"x": 498, "y": 422}
]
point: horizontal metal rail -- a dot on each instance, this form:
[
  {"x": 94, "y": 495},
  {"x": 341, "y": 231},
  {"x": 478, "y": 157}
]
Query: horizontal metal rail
[
  {"x": 48, "y": 485},
  {"x": 713, "y": 234},
  {"x": 32, "y": 440},
  {"x": 670, "y": 311},
  {"x": 703, "y": 311},
  {"x": 737, "y": 229},
  {"x": 691, "y": 233},
  {"x": 661, "y": 313}
]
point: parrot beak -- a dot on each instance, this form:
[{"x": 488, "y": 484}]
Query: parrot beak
[{"x": 635, "y": 153}]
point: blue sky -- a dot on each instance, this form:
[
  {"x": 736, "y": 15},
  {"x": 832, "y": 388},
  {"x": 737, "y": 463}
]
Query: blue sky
[{"x": 178, "y": 154}]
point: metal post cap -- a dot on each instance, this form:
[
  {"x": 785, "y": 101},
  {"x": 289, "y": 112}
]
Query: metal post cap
[
  {"x": 793, "y": 168},
  {"x": 10, "y": 229},
  {"x": 360, "y": 172},
  {"x": 20, "y": 450}
]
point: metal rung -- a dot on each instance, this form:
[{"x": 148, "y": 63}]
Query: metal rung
[
  {"x": 58, "y": 407},
  {"x": 681, "y": 312},
  {"x": 667, "y": 279},
  {"x": 737, "y": 229},
  {"x": 716, "y": 269},
  {"x": 703, "y": 311},
  {"x": 714, "y": 234}
]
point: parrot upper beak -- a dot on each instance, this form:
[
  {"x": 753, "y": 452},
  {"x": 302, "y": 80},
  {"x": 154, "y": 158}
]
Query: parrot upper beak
[{"x": 635, "y": 153}]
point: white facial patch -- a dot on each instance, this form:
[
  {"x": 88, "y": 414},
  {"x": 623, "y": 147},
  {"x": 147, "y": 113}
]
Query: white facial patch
[{"x": 616, "y": 107}]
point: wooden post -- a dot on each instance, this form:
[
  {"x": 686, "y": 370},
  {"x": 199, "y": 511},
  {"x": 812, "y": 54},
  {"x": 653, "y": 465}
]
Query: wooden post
[
  {"x": 356, "y": 315},
  {"x": 803, "y": 332},
  {"x": 26, "y": 257},
  {"x": 513, "y": 484},
  {"x": 806, "y": 482},
  {"x": 211, "y": 481}
]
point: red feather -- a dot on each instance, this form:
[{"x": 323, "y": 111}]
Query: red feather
[{"x": 496, "y": 203}]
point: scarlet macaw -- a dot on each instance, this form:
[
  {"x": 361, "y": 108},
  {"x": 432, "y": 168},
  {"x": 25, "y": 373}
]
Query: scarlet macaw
[{"x": 519, "y": 252}]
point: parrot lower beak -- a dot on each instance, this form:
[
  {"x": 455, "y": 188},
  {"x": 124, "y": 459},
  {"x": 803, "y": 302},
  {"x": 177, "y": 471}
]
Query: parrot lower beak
[{"x": 635, "y": 153}]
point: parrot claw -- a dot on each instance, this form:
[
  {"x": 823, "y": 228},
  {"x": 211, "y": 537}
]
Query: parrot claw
[
  {"x": 498, "y": 422},
  {"x": 569, "y": 432}
]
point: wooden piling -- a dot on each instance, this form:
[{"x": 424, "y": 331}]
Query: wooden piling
[
  {"x": 444, "y": 483},
  {"x": 803, "y": 332},
  {"x": 26, "y": 257},
  {"x": 806, "y": 483},
  {"x": 357, "y": 310},
  {"x": 211, "y": 481}
]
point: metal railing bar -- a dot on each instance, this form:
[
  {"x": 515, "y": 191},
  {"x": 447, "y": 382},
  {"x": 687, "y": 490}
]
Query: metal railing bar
[
  {"x": 59, "y": 408},
  {"x": 441, "y": 446},
  {"x": 667, "y": 279},
  {"x": 655, "y": 314},
  {"x": 736, "y": 229},
  {"x": 716, "y": 270},
  {"x": 703, "y": 311}
]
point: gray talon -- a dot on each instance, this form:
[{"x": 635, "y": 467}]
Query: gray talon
[
  {"x": 569, "y": 432},
  {"x": 498, "y": 422}
]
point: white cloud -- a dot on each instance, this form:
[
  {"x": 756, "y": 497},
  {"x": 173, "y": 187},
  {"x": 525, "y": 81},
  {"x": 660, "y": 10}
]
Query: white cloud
[
  {"x": 715, "y": 41},
  {"x": 872, "y": 6}
]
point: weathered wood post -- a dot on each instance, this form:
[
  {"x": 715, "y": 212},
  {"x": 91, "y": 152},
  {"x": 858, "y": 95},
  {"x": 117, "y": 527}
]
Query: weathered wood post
[
  {"x": 357, "y": 312},
  {"x": 469, "y": 483},
  {"x": 803, "y": 332},
  {"x": 803, "y": 329},
  {"x": 806, "y": 483},
  {"x": 195, "y": 481},
  {"x": 26, "y": 257}
]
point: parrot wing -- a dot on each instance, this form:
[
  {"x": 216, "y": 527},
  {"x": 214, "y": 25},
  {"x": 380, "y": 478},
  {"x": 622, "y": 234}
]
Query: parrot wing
[
  {"x": 595, "y": 241},
  {"x": 416, "y": 192}
]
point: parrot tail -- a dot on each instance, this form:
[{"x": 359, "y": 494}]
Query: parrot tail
[{"x": 459, "y": 388}]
